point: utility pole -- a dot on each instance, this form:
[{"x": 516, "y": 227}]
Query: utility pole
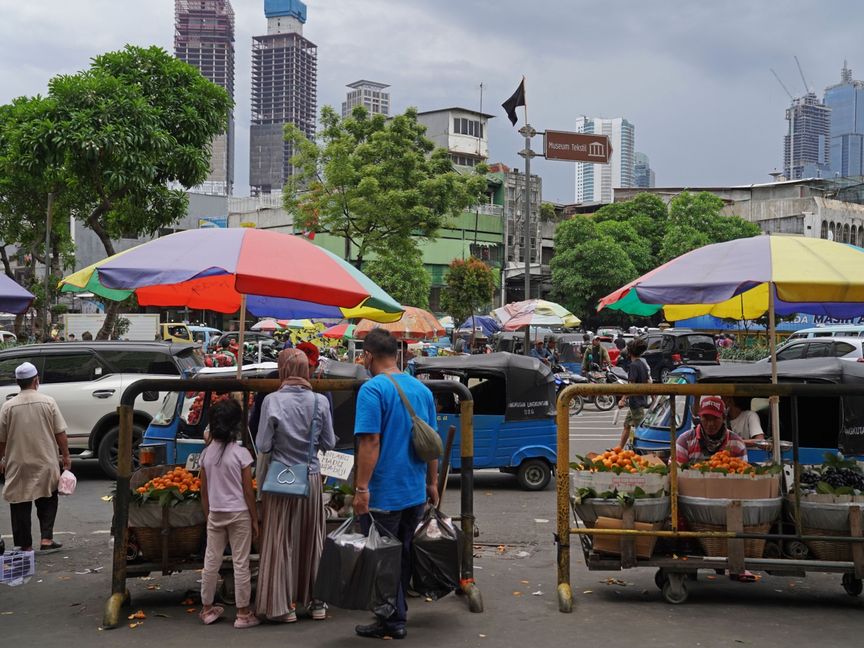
[
  {"x": 46, "y": 326},
  {"x": 527, "y": 153}
]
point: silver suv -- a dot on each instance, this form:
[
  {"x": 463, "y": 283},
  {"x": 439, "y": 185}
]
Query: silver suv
[{"x": 88, "y": 378}]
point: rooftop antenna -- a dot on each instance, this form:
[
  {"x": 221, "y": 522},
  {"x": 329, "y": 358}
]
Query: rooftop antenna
[
  {"x": 782, "y": 85},
  {"x": 801, "y": 72}
]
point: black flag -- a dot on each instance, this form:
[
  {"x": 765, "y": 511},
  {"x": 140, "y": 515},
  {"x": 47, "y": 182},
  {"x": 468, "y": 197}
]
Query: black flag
[{"x": 518, "y": 99}]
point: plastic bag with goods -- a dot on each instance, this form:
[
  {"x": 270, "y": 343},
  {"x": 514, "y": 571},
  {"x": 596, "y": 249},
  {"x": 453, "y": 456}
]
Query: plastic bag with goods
[
  {"x": 436, "y": 556},
  {"x": 67, "y": 484}
]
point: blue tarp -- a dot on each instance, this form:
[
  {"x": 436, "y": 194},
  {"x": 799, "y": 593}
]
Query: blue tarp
[{"x": 484, "y": 323}]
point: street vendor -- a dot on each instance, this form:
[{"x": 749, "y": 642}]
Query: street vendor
[
  {"x": 710, "y": 436},
  {"x": 743, "y": 421}
]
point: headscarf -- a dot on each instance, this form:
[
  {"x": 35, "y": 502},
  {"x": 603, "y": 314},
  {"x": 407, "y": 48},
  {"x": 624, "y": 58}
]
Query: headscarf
[{"x": 293, "y": 368}]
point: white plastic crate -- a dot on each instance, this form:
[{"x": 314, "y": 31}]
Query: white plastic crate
[{"x": 17, "y": 567}]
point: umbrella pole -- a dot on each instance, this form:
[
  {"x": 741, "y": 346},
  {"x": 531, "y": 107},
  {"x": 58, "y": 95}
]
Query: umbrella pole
[
  {"x": 775, "y": 400},
  {"x": 242, "y": 337}
]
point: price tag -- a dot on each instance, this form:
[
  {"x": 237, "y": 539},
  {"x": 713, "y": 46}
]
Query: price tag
[
  {"x": 336, "y": 464},
  {"x": 192, "y": 462}
]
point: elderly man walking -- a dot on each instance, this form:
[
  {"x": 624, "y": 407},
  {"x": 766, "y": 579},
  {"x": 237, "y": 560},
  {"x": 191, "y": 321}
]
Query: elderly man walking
[{"x": 32, "y": 438}]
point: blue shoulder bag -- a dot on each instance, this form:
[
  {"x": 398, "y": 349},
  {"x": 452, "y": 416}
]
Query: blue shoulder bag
[{"x": 292, "y": 481}]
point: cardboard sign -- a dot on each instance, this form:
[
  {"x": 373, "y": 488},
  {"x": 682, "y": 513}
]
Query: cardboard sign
[
  {"x": 193, "y": 462},
  {"x": 336, "y": 464}
]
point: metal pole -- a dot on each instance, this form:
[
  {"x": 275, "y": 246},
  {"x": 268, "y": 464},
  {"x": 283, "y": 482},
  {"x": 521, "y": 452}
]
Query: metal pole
[
  {"x": 241, "y": 341},
  {"x": 46, "y": 326},
  {"x": 774, "y": 399},
  {"x": 526, "y": 234}
]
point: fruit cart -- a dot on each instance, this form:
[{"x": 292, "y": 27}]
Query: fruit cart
[
  {"x": 170, "y": 560},
  {"x": 729, "y": 527}
]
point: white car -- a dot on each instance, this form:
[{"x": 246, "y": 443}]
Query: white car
[
  {"x": 7, "y": 338},
  {"x": 845, "y": 348},
  {"x": 87, "y": 380}
]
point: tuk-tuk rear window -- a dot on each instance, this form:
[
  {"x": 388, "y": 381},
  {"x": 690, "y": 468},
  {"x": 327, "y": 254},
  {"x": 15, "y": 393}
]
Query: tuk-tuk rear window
[
  {"x": 169, "y": 407},
  {"x": 658, "y": 415}
]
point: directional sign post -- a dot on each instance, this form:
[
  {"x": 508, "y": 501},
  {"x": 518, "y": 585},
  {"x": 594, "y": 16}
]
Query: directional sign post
[{"x": 577, "y": 147}]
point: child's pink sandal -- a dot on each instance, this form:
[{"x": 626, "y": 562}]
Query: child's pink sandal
[{"x": 211, "y": 615}]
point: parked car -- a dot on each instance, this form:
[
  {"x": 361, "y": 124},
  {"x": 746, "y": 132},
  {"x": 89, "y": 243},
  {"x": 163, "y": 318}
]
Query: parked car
[
  {"x": 249, "y": 337},
  {"x": 846, "y": 348},
  {"x": 7, "y": 338},
  {"x": 672, "y": 348},
  {"x": 608, "y": 342},
  {"x": 88, "y": 378},
  {"x": 205, "y": 336},
  {"x": 838, "y": 330}
]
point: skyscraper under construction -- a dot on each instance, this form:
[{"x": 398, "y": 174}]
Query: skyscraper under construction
[
  {"x": 204, "y": 38},
  {"x": 807, "y": 146},
  {"x": 284, "y": 91}
]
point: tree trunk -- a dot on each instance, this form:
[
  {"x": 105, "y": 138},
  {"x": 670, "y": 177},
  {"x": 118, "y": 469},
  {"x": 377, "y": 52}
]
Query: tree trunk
[
  {"x": 111, "y": 307},
  {"x": 7, "y": 267},
  {"x": 111, "y": 310}
]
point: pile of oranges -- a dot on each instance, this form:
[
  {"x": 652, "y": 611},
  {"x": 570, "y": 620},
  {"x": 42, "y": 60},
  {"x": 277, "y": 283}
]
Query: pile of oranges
[
  {"x": 618, "y": 460},
  {"x": 179, "y": 478},
  {"x": 723, "y": 462}
]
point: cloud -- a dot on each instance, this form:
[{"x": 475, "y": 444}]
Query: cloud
[{"x": 693, "y": 77}]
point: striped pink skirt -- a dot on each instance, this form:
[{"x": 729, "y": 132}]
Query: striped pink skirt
[{"x": 292, "y": 538}]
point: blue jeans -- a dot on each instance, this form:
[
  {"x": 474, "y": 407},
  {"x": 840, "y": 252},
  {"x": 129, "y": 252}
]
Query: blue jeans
[{"x": 402, "y": 524}]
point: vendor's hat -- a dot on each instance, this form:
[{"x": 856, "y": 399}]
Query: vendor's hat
[
  {"x": 712, "y": 406},
  {"x": 25, "y": 371}
]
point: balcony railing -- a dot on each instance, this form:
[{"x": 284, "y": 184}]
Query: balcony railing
[{"x": 490, "y": 210}]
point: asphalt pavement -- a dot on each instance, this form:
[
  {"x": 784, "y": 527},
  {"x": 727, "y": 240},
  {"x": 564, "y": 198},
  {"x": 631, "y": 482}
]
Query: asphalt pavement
[{"x": 515, "y": 562}]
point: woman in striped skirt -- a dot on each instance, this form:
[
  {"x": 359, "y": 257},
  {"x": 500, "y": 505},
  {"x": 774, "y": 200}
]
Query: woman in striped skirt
[{"x": 293, "y": 531}]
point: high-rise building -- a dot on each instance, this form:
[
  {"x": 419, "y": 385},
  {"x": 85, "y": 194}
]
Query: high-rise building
[
  {"x": 846, "y": 101},
  {"x": 369, "y": 94},
  {"x": 643, "y": 174},
  {"x": 595, "y": 182},
  {"x": 807, "y": 145},
  {"x": 204, "y": 38},
  {"x": 284, "y": 91}
]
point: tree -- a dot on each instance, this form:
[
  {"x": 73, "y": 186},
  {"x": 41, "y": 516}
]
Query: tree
[
  {"x": 375, "y": 182},
  {"x": 470, "y": 286},
  {"x": 402, "y": 275},
  {"x": 123, "y": 137}
]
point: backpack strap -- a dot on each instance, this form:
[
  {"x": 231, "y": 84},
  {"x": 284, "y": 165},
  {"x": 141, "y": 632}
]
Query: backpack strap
[{"x": 402, "y": 396}]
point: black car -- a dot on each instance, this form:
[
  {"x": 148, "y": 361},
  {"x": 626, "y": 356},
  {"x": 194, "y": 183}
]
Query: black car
[{"x": 670, "y": 349}]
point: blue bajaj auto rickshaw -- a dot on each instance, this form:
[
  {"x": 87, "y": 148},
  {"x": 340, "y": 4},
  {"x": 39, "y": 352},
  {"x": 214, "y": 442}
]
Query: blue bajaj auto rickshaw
[
  {"x": 825, "y": 424},
  {"x": 514, "y": 412}
]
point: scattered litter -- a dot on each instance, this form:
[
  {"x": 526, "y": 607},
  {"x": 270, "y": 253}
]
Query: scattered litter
[
  {"x": 187, "y": 602},
  {"x": 6, "y": 613},
  {"x": 541, "y": 521},
  {"x": 135, "y": 625},
  {"x": 522, "y": 554},
  {"x": 191, "y": 610},
  {"x": 487, "y": 493},
  {"x": 711, "y": 577},
  {"x": 145, "y": 578},
  {"x": 137, "y": 615},
  {"x": 615, "y": 581},
  {"x": 64, "y": 578},
  {"x": 477, "y": 566},
  {"x": 107, "y": 498},
  {"x": 482, "y": 636},
  {"x": 428, "y": 599},
  {"x": 162, "y": 616},
  {"x": 501, "y": 549},
  {"x": 152, "y": 587},
  {"x": 39, "y": 581},
  {"x": 524, "y": 582},
  {"x": 89, "y": 570},
  {"x": 537, "y": 593},
  {"x": 588, "y": 592},
  {"x": 517, "y": 593}
]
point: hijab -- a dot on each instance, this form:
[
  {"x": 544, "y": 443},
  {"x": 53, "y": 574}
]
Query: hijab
[{"x": 294, "y": 368}]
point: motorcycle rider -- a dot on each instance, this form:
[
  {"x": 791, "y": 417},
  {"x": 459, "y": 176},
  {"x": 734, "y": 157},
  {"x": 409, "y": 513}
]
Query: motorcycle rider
[{"x": 596, "y": 354}]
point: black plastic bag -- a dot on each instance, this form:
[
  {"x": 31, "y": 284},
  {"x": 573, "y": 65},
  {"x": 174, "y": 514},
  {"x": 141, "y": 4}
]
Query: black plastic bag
[
  {"x": 360, "y": 572},
  {"x": 436, "y": 556}
]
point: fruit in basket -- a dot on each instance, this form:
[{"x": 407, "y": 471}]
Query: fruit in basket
[
  {"x": 174, "y": 486},
  {"x": 723, "y": 462},
  {"x": 616, "y": 460}
]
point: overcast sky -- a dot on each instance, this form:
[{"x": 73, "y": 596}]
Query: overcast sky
[{"x": 692, "y": 76}]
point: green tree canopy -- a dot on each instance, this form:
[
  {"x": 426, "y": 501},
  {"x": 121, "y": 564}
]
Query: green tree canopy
[
  {"x": 402, "y": 275},
  {"x": 470, "y": 286},
  {"x": 118, "y": 142},
  {"x": 375, "y": 182}
]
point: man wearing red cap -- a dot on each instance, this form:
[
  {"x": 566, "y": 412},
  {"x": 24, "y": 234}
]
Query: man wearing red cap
[{"x": 710, "y": 436}]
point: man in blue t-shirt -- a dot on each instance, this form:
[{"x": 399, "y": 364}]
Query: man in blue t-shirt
[{"x": 391, "y": 480}]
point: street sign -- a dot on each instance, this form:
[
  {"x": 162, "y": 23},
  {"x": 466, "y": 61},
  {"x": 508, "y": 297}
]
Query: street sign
[{"x": 577, "y": 147}]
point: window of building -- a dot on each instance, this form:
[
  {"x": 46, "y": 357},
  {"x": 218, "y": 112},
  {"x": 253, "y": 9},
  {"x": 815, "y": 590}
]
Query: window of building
[
  {"x": 464, "y": 126},
  {"x": 824, "y": 233}
]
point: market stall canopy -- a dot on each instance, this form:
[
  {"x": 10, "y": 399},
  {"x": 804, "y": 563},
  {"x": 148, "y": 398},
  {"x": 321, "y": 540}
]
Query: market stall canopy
[
  {"x": 534, "y": 312},
  {"x": 416, "y": 324},
  {"x": 298, "y": 324},
  {"x": 13, "y": 298},
  {"x": 283, "y": 276},
  {"x": 530, "y": 384},
  {"x": 484, "y": 324},
  {"x": 447, "y": 322},
  {"x": 265, "y": 325},
  {"x": 730, "y": 280},
  {"x": 340, "y": 331}
]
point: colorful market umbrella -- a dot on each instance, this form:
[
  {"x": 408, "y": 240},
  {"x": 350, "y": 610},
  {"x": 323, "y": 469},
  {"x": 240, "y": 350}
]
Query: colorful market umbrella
[
  {"x": 747, "y": 278},
  {"x": 13, "y": 298},
  {"x": 265, "y": 325},
  {"x": 340, "y": 331},
  {"x": 297, "y": 324},
  {"x": 484, "y": 324},
  {"x": 280, "y": 276},
  {"x": 535, "y": 312},
  {"x": 416, "y": 324}
]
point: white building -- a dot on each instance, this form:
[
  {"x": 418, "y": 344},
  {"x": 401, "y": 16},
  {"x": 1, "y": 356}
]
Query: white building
[
  {"x": 459, "y": 130},
  {"x": 369, "y": 94},
  {"x": 595, "y": 182}
]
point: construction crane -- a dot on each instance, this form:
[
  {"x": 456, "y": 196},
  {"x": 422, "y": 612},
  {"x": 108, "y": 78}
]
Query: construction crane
[
  {"x": 801, "y": 72},
  {"x": 782, "y": 85}
]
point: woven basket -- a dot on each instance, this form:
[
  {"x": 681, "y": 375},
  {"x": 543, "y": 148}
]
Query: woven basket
[
  {"x": 822, "y": 550},
  {"x": 182, "y": 542},
  {"x": 720, "y": 546}
]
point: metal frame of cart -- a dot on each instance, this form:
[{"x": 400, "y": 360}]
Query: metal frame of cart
[
  {"x": 673, "y": 570},
  {"x": 120, "y": 530}
]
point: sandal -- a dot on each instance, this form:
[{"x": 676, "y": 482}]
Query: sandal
[
  {"x": 246, "y": 620},
  {"x": 212, "y": 615}
]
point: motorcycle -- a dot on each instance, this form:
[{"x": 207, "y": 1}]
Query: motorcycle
[
  {"x": 606, "y": 376},
  {"x": 564, "y": 378}
]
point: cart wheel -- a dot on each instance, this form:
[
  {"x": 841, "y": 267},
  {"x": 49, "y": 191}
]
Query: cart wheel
[
  {"x": 796, "y": 550},
  {"x": 604, "y": 402},
  {"x": 675, "y": 590},
  {"x": 226, "y": 590},
  {"x": 576, "y": 405},
  {"x": 772, "y": 550},
  {"x": 660, "y": 579},
  {"x": 534, "y": 474},
  {"x": 852, "y": 585}
]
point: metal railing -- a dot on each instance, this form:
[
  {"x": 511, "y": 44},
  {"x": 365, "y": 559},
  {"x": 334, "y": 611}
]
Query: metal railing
[{"x": 736, "y": 538}]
